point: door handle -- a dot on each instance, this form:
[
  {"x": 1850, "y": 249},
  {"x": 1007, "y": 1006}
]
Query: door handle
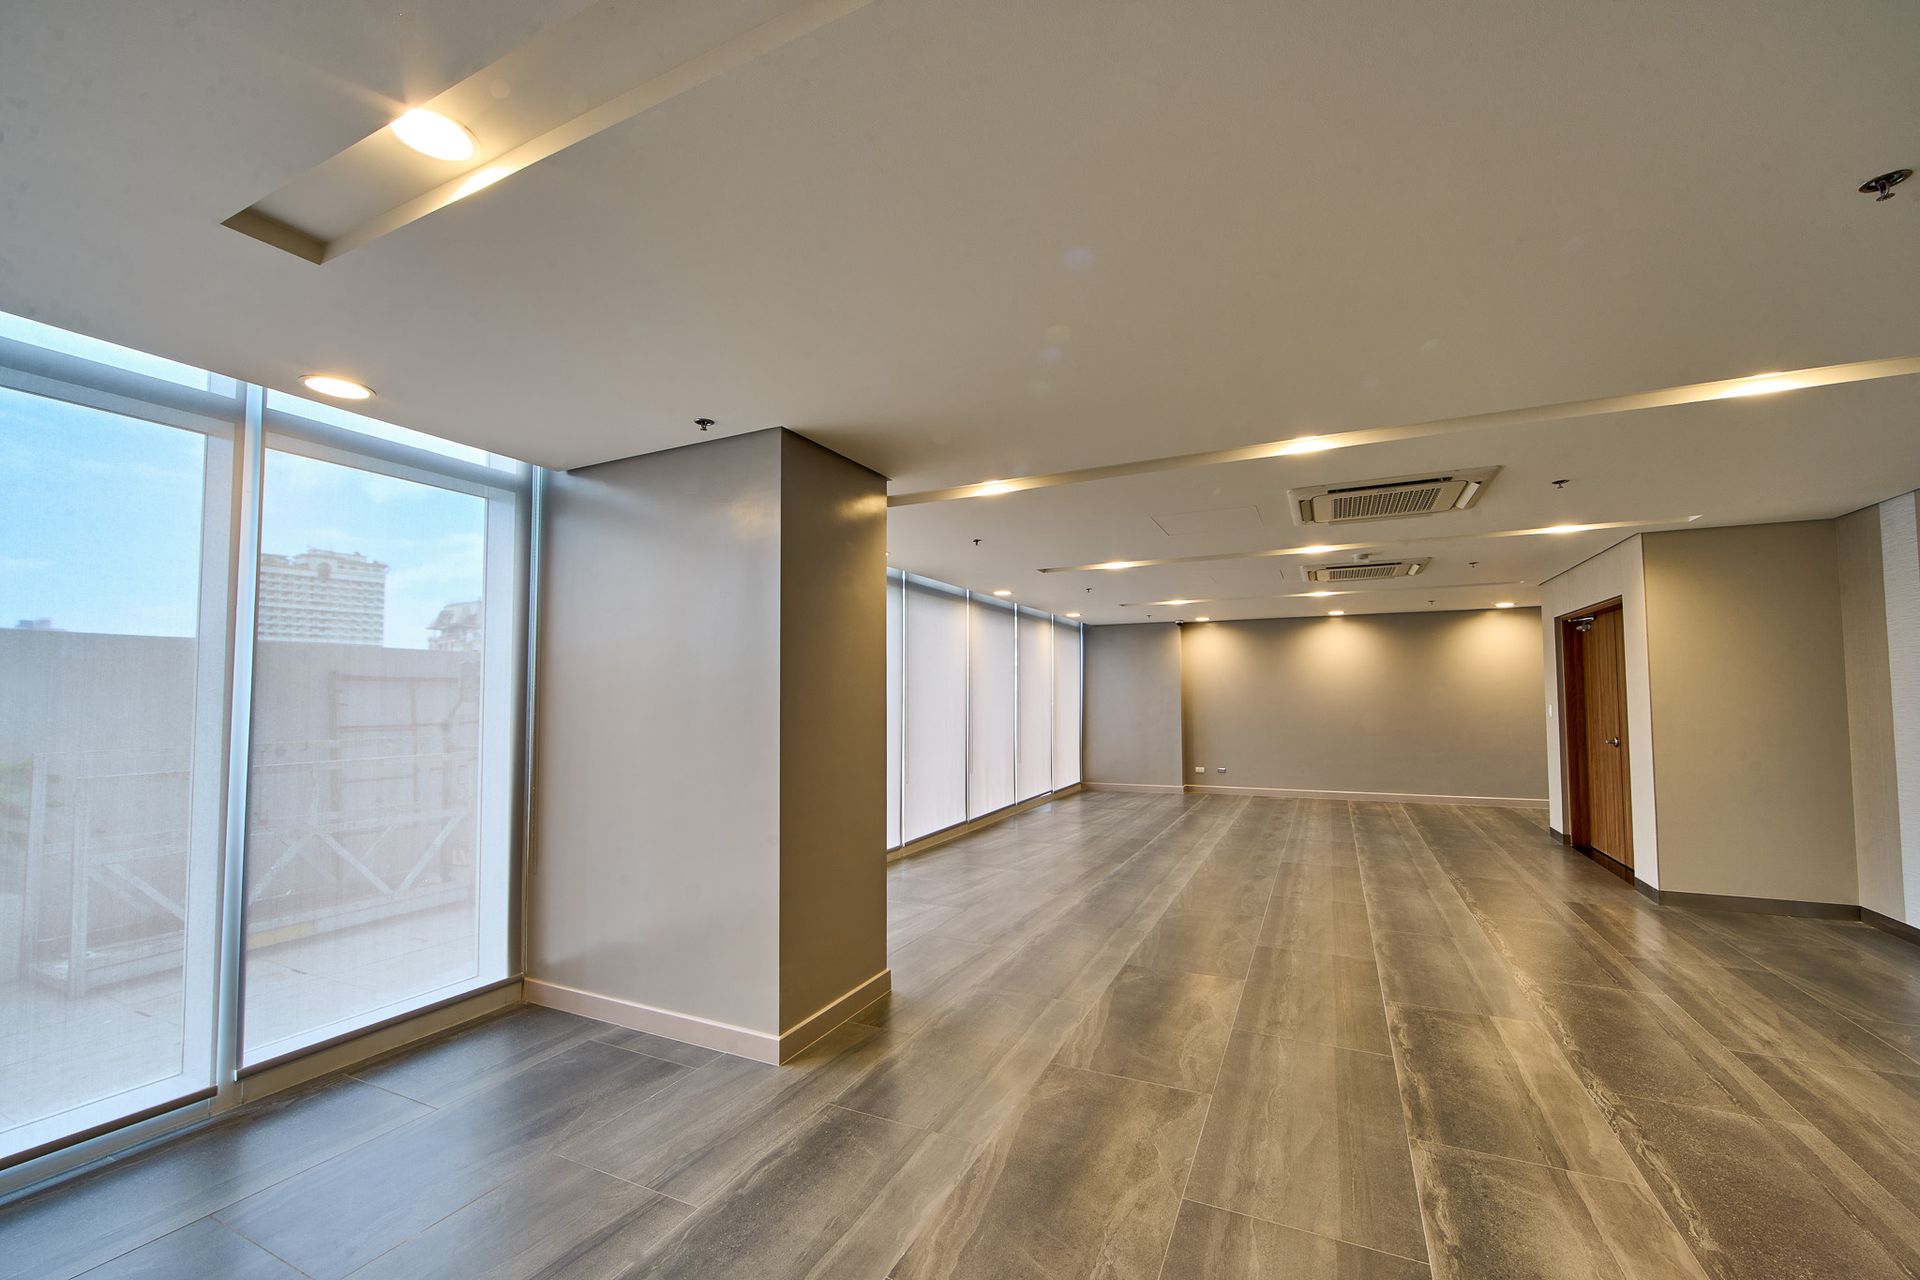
[{"x": 1613, "y": 742}]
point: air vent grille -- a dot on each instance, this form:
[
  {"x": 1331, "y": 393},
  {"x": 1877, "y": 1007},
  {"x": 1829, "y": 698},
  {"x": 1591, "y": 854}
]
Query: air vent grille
[
  {"x": 1364, "y": 570},
  {"x": 1391, "y": 498},
  {"x": 1380, "y": 504}
]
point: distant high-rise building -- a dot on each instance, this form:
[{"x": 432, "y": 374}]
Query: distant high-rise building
[
  {"x": 35, "y": 624},
  {"x": 456, "y": 626},
  {"x": 329, "y": 596}
]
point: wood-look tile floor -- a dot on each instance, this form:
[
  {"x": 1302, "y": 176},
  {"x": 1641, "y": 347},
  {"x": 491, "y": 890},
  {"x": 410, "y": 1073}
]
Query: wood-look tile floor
[{"x": 1131, "y": 1036}]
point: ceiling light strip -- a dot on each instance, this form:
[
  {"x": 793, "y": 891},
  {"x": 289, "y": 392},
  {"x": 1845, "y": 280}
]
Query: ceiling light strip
[
  {"x": 1304, "y": 595},
  {"x": 1691, "y": 393},
  {"x": 1321, "y": 548},
  {"x": 801, "y": 20}
]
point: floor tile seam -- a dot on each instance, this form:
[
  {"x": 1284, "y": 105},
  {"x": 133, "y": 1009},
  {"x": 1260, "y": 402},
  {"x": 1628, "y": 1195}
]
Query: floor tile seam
[
  {"x": 1868, "y": 1030},
  {"x": 1429, "y": 1239},
  {"x": 1541, "y": 1164},
  {"x": 1114, "y": 1075},
  {"x": 1161, "y": 917},
  {"x": 635, "y": 1183},
  {"x": 255, "y": 1243},
  {"x": 1430, "y": 1227},
  {"x": 1610, "y": 1100},
  {"x": 405, "y": 1097},
  {"x": 1308, "y": 1231},
  {"x": 217, "y": 1213},
  {"x": 1206, "y": 1116}
]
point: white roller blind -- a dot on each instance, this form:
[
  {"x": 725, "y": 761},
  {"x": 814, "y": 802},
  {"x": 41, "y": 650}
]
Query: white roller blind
[
  {"x": 934, "y": 765},
  {"x": 894, "y": 673},
  {"x": 1066, "y": 704},
  {"x": 1035, "y": 676},
  {"x": 990, "y": 749}
]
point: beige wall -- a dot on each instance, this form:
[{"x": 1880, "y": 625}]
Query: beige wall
[
  {"x": 708, "y": 825},
  {"x": 833, "y": 704},
  {"x": 1396, "y": 704},
  {"x": 1440, "y": 704},
  {"x": 1750, "y": 722},
  {"x": 1131, "y": 716}
]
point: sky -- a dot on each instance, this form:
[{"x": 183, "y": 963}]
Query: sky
[{"x": 100, "y": 521}]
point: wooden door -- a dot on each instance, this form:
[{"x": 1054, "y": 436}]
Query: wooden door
[{"x": 1599, "y": 806}]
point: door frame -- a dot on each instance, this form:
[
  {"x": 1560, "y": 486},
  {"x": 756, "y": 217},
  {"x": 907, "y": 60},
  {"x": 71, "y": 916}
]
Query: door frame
[{"x": 1573, "y": 746}]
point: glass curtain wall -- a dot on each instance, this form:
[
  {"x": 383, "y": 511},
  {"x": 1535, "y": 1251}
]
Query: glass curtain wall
[
  {"x": 983, "y": 705},
  {"x": 299, "y": 713}
]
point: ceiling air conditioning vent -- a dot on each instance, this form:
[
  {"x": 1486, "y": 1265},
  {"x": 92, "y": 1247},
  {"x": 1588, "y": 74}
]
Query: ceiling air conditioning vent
[
  {"x": 1364, "y": 570},
  {"x": 1391, "y": 498}
]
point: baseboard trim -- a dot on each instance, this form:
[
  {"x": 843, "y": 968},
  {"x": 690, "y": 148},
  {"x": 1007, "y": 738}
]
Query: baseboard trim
[
  {"x": 351, "y": 1050},
  {"x": 814, "y": 1026},
  {"x": 723, "y": 1037},
  {"x": 1898, "y": 928},
  {"x": 945, "y": 834},
  {"x": 1389, "y": 797},
  {"x": 1149, "y": 788},
  {"x": 741, "y": 1042},
  {"x": 1755, "y": 906}
]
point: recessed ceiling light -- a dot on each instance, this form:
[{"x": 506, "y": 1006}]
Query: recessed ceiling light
[
  {"x": 339, "y": 388},
  {"x": 1116, "y": 564},
  {"x": 1504, "y": 604},
  {"x": 1073, "y": 615},
  {"x": 1003, "y": 592},
  {"x": 1317, "y": 549},
  {"x": 1317, "y": 594},
  {"x": 1203, "y": 618},
  {"x": 1566, "y": 528},
  {"x": 432, "y": 134},
  {"x": 1336, "y": 613}
]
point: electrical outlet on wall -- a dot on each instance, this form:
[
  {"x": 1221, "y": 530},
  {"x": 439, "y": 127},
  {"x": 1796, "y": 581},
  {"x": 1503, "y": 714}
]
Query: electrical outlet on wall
[
  {"x": 1221, "y": 769},
  {"x": 1199, "y": 768}
]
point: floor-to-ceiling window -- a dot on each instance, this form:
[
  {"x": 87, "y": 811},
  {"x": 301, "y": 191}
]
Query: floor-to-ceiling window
[
  {"x": 114, "y": 543},
  {"x": 258, "y": 712},
  {"x": 382, "y": 737},
  {"x": 983, "y": 705}
]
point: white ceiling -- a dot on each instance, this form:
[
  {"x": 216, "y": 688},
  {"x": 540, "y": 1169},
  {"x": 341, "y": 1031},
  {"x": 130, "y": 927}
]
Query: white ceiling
[{"x": 967, "y": 241}]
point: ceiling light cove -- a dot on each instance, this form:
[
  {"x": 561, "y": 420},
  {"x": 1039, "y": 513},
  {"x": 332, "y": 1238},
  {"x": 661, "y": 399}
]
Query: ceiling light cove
[
  {"x": 993, "y": 488},
  {"x": 1760, "y": 384},
  {"x": 1303, "y": 444},
  {"x": 1534, "y": 415},
  {"x": 1504, "y": 604},
  {"x": 432, "y": 134},
  {"x": 339, "y": 388},
  {"x": 1336, "y": 613},
  {"x": 1003, "y": 593},
  {"x": 1073, "y": 615},
  {"x": 1203, "y": 618}
]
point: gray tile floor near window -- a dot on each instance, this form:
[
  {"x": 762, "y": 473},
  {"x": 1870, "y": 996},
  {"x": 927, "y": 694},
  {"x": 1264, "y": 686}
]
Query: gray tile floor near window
[{"x": 1132, "y": 1036}]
